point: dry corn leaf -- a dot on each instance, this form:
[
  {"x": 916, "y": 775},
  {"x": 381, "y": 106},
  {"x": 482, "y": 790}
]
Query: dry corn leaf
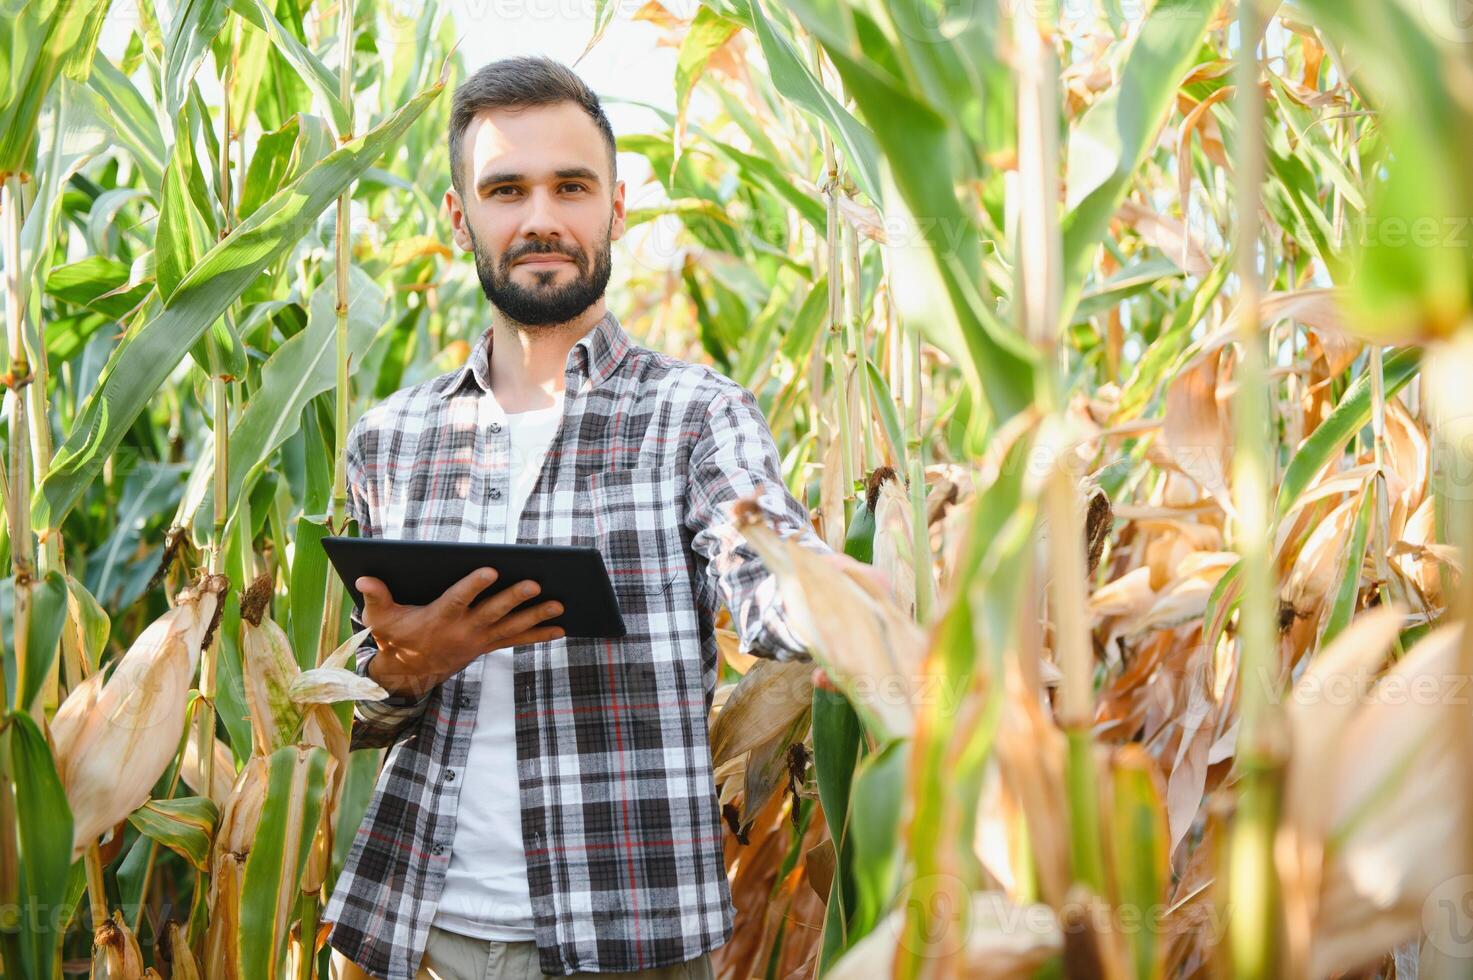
[
  {"x": 1196, "y": 433},
  {"x": 729, "y": 643},
  {"x": 763, "y": 706},
  {"x": 831, "y": 489},
  {"x": 222, "y": 778},
  {"x": 994, "y": 940},
  {"x": 1317, "y": 569},
  {"x": 1324, "y": 699},
  {"x": 175, "y": 946},
  {"x": 866, "y": 644},
  {"x": 1030, "y": 759},
  {"x": 1167, "y": 234},
  {"x": 1398, "y": 809}
]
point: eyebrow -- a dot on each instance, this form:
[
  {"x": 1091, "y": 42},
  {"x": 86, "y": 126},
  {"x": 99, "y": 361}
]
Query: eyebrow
[{"x": 508, "y": 177}]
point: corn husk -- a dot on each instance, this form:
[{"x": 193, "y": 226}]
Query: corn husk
[
  {"x": 120, "y": 949},
  {"x": 277, "y": 689},
  {"x": 270, "y": 667},
  {"x": 176, "y": 944},
  {"x": 867, "y": 644},
  {"x": 117, "y": 731},
  {"x": 227, "y": 868},
  {"x": 329, "y": 685},
  {"x": 893, "y": 548},
  {"x": 323, "y": 729}
]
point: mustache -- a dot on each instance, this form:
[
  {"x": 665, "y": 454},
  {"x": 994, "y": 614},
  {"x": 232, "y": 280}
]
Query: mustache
[{"x": 512, "y": 257}]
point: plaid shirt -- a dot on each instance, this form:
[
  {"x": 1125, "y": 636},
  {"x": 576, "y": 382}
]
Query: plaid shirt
[{"x": 620, "y": 821}]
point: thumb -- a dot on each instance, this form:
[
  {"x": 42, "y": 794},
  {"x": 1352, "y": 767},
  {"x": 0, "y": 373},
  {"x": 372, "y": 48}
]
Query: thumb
[{"x": 375, "y": 592}]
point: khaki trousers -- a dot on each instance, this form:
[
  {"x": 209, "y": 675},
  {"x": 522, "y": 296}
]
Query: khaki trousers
[{"x": 451, "y": 956}]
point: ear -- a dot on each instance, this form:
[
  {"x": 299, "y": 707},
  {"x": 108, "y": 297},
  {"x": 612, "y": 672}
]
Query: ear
[
  {"x": 457, "y": 220},
  {"x": 616, "y": 227}
]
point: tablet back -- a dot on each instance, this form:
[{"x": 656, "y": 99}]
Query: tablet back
[{"x": 418, "y": 572}]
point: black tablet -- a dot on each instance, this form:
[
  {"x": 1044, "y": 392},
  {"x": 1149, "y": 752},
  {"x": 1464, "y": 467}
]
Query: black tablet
[{"x": 418, "y": 572}]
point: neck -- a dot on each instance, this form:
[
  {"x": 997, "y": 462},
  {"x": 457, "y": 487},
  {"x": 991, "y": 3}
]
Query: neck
[{"x": 527, "y": 363}]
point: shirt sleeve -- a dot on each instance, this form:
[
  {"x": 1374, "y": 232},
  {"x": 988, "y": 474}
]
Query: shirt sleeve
[
  {"x": 375, "y": 723},
  {"x": 734, "y": 458}
]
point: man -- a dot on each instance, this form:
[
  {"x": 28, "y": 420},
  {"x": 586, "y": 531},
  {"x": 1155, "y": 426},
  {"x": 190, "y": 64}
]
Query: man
[{"x": 547, "y": 804}]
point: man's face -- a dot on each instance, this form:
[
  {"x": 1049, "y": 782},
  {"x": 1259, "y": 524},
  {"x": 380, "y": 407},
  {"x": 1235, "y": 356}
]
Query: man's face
[{"x": 538, "y": 211}]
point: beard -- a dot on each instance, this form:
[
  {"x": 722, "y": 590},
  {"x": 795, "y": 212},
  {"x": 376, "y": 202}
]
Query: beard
[{"x": 545, "y": 303}]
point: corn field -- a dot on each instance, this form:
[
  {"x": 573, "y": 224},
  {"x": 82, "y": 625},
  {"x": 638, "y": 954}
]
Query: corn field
[{"x": 1132, "y": 342}]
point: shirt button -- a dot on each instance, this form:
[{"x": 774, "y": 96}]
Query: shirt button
[
  {"x": 438, "y": 849},
  {"x": 448, "y": 775},
  {"x": 464, "y": 701},
  {"x": 495, "y": 426},
  {"x": 495, "y": 493}
]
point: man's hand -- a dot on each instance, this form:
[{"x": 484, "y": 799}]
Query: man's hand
[
  {"x": 870, "y": 578},
  {"x": 421, "y": 646}
]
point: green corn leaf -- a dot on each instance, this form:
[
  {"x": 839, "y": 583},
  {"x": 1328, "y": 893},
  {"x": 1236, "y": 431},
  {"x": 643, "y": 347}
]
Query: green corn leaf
[
  {"x": 884, "y": 404},
  {"x": 185, "y": 825},
  {"x": 195, "y": 24},
  {"x": 144, "y": 360},
  {"x": 1351, "y": 413},
  {"x": 43, "y": 830},
  {"x": 134, "y": 122},
  {"x": 794, "y": 80},
  {"x": 48, "y": 616},
  {"x": 46, "y": 39},
  {"x": 1119, "y": 130},
  {"x": 295, "y": 794},
  {"x": 300, "y": 369},
  {"x": 1347, "y": 589},
  {"x": 1139, "y": 839},
  {"x": 89, "y": 621},
  {"x": 310, "y": 69}
]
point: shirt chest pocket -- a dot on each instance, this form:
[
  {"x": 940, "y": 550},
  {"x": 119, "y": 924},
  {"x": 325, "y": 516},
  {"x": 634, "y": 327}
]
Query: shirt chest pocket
[{"x": 636, "y": 526}]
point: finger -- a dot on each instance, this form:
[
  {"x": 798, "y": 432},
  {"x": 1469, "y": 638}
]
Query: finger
[
  {"x": 528, "y": 618},
  {"x": 539, "y": 635},
  {"x": 376, "y": 597},
  {"x": 499, "y": 605},
  {"x": 464, "y": 592}
]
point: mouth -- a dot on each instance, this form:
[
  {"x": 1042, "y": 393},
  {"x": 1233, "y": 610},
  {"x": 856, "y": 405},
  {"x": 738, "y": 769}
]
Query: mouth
[{"x": 543, "y": 260}]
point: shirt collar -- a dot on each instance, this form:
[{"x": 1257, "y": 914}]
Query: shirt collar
[{"x": 594, "y": 357}]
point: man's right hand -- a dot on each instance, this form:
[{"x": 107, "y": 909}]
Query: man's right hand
[{"x": 420, "y": 646}]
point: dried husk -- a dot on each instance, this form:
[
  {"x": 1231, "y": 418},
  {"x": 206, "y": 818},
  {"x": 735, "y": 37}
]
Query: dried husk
[{"x": 117, "y": 733}]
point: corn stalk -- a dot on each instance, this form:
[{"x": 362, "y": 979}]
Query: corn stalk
[{"x": 1251, "y": 879}]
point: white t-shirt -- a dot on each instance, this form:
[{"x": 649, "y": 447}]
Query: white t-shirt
[{"x": 486, "y": 892}]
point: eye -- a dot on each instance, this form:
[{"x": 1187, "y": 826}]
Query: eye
[
  {"x": 575, "y": 184},
  {"x": 496, "y": 191}
]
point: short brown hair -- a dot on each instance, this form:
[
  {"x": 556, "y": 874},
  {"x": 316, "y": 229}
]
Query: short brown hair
[{"x": 518, "y": 83}]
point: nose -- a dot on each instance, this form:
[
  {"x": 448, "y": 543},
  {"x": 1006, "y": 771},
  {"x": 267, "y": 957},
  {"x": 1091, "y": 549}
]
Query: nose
[{"x": 541, "y": 219}]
